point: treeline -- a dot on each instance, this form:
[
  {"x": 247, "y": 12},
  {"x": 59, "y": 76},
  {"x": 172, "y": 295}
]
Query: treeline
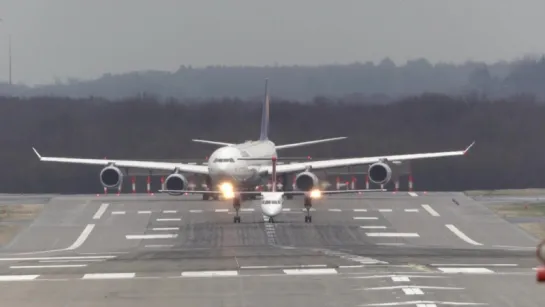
[
  {"x": 509, "y": 153},
  {"x": 364, "y": 82}
]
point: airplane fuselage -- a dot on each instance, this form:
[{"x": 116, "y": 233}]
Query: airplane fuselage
[{"x": 224, "y": 164}]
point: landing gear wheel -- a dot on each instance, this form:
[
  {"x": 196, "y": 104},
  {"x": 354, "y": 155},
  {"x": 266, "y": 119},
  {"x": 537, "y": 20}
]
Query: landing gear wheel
[
  {"x": 236, "y": 219},
  {"x": 236, "y": 205},
  {"x": 271, "y": 220},
  {"x": 308, "y": 205},
  {"x": 308, "y": 219}
]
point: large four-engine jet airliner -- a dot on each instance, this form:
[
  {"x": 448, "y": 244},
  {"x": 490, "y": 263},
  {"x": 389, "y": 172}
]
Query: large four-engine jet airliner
[{"x": 230, "y": 173}]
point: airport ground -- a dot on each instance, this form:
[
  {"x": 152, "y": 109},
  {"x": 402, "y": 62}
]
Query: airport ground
[{"x": 376, "y": 249}]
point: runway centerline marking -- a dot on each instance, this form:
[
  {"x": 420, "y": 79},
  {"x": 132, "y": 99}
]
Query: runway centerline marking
[
  {"x": 158, "y": 245},
  {"x": 384, "y": 210},
  {"x": 334, "y": 210},
  {"x": 209, "y": 273},
  {"x": 411, "y": 210},
  {"x": 309, "y": 271},
  {"x": 400, "y": 278},
  {"x": 17, "y": 277},
  {"x": 144, "y": 212},
  {"x": 430, "y": 210},
  {"x": 108, "y": 275},
  {"x": 465, "y": 270},
  {"x": 100, "y": 211},
  {"x": 392, "y": 234},
  {"x": 118, "y": 212},
  {"x": 360, "y": 210},
  {"x": 221, "y": 210},
  {"x": 144, "y": 237},
  {"x": 373, "y": 227},
  {"x": 166, "y": 220},
  {"x": 365, "y": 218},
  {"x": 461, "y": 235},
  {"x": 169, "y": 211},
  {"x": 55, "y": 266},
  {"x": 166, "y": 228},
  {"x": 57, "y": 258}
]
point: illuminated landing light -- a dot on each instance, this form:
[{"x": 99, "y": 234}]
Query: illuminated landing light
[
  {"x": 227, "y": 190},
  {"x": 315, "y": 194}
]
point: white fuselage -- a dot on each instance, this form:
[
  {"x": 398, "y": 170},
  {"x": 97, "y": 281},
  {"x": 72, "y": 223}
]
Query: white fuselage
[
  {"x": 271, "y": 203},
  {"x": 224, "y": 166}
]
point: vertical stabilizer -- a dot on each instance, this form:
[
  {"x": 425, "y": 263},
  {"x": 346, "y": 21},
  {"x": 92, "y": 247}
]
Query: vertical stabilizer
[
  {"x": 265, "y": 114},
  {"x": 274, "y": 174}
]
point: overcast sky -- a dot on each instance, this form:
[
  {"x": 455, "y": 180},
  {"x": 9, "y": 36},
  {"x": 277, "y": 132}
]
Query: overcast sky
[{"x": 86, "y": 38}]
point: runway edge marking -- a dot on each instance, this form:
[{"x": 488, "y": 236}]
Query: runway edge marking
[{"x": 462, "y": 235}]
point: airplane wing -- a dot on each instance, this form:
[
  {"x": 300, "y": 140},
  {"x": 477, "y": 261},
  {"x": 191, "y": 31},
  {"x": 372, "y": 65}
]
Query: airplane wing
[
  {"x": 325, "y": 164},
  {"x": 285, "y": 192},
  {"x": 188, "y": 168}
]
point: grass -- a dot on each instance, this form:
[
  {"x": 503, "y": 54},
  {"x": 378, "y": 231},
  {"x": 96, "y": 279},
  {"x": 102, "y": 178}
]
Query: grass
[
  {"x": 13, "y": 218},
  {"x": 537, "y": 229},
  {"x": 512, "y": 192}
]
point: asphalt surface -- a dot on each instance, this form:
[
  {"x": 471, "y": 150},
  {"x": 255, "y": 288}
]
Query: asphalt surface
[{"x": 376, "y": 249}]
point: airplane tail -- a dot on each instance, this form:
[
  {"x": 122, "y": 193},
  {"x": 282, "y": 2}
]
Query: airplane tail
[{"x": 265, "y": 114}]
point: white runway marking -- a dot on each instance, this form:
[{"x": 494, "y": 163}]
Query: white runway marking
[
  {"x": 400, "y": 278},
  {"x": 100, "y": 211},
  {"x": 209, "y": 273},
  {"x": 144, "y": 237},
  {"x": 475, "y": 264},
  {"x": 411, "y": 210},
  {"x": 158, "y": 245},
  {"x": 195, "y": 211},
  {"x": 18, "y": 277},
  {"x": 75, "y": 260},
  {"x": 57, "y": 258},
  {"x": 461, "y": 235},
  {"x": 465, "y": 270},
  {"x": 365, "y": 218},
  {"x": 430, "y": 210},
  {"x": 118, "y": 212},
  {"x": 373, "y": 227},
  {"x": 309, "y": 271},
  {"x": 54, "y": 266},
  {"x": 426, "y": 305},
  {"x": 247, "y": 209},
  {"x": 384, "y": 210},
  {"x": 413, "y": 194},
  {"x": 221, "y": 210},
  {"x": 391, "y": 244},
  {"x": 109, "y": 276},
  {"x": 167, "y": 220},
  {"x": 311, "y": 209},
  {"x": 82, "y": 237},
  {"x": 392, "y": 234},
  {"x": 165, "y": 228},
  {"x": 280, "y": 266},
  {"x": 334, "y": 210},
  {"x": 169, "y": 211},
  {"x": 360, "y": 210},
  {"x": 144, "y": 212},
  {"x": 413, "y": 291},
  {"x": 286, "y": 209}
]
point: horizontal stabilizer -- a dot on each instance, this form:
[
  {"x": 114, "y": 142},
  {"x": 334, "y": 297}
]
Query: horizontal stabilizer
[
  {"x": 292, "y": 145},
  {"x": 213, "y": 142}
]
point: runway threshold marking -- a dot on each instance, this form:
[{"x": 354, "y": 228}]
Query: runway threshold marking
[
  {"x": 412, "y": 291},
  {"x": 413, "y": 194},
  {"x": 100, "y": 211},
  {"x": 430, "y": 210},
  {"x": 461, "y": 235}
]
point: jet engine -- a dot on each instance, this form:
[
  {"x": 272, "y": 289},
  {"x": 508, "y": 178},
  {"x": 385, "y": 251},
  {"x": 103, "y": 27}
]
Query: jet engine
[
  {"x": 380, "y": 173},
  {"x": 306, "y": 181},
  {"x": 111, "y": 177},
  {"x": 176, "y": 182}
]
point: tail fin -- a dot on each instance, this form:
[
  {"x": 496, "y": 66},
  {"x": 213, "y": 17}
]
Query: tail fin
[{"x": 265, "y": 114}]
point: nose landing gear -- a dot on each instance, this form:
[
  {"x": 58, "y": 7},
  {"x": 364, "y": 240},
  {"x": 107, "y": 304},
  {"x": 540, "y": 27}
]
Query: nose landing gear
[
  {"x": 308, "y": 205},
  {"x": 236, "y": 205}
]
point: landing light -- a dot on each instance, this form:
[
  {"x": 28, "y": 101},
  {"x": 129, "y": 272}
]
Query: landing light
[
  {"x": 227, "y": 190},
  {"x": 315, "y": 193}
]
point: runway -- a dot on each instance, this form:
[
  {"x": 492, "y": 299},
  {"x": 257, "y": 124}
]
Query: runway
[{"x": 376, "y": 249}]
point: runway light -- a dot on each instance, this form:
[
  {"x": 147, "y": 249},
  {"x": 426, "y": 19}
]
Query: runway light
[{"x": 315, "y": 194}]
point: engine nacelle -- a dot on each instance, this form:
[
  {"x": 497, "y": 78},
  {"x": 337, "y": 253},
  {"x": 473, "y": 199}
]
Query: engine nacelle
[
  {"x": 380, "y": 173},
  {"x": 306, "y": 181},
  {"x": 111, "y": 177},
  {"x": 176, "y": 182}
]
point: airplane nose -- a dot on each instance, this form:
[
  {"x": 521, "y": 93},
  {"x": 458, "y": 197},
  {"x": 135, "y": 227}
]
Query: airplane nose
[{"x": 271, "y": 210}]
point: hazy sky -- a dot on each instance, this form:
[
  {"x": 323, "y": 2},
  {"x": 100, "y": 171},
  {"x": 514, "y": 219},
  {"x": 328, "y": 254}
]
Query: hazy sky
[{"x": 86, "y": 38}]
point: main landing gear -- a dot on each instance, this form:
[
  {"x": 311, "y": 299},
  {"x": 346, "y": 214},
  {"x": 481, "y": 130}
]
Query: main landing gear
[
  {"x": 271, "y": 219},
  {"x": 308, "y": 205},
  {"x": 236, "y": 205}
]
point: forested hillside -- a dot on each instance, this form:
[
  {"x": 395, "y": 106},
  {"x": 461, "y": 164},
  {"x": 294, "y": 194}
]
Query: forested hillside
[{"x": 509, "y": 153}]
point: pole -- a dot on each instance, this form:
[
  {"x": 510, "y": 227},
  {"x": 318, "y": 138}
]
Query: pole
[{"x": 9, "y": 54}]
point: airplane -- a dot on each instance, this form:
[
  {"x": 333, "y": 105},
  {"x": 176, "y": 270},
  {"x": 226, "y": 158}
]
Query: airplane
[
  {"x": 227, "y": 171},
  {"x": 272, "y": 202}
]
